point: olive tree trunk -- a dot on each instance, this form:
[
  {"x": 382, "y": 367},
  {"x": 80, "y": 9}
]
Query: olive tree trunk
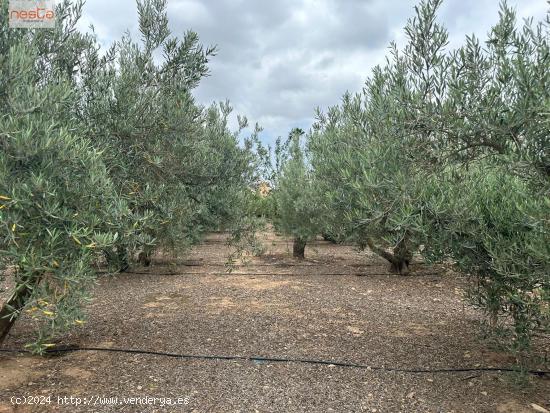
[
  {"x": 144, "y": 258},
  {"x": 298, "y": 248},
  {"x": 118, "y": 258},
  {"x": 399, "y": 260},
  {"x": 12, "y": 308}
]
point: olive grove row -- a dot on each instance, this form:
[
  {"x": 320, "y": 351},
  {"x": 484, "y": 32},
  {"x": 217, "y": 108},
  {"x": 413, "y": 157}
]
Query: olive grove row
[
  {"x": 106, "y": 157},
  {"x": 444, "y": 153}
]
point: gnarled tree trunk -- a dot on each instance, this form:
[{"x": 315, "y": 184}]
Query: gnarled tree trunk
[
  {"x": 329, "y": 238},
  {"x": 122, "y": 254},
  {"x": 399, "y": 260},
  {"x": 12, "y": 308},
  {"x": 402, "y": 256},
  {"x": 298, "y": 248},
  {"x": 144, "y": 258},
  {"x": 118, "y": 258}
]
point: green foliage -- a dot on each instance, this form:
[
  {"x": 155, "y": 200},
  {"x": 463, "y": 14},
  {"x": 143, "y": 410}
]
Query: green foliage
[
  {"x": 262, "y": 206},
  {"x": 489, "y": 223},
  {"x": 498, "y": 97},
  {"x": 169, "y": 154},
  {"x": 494, "y": 120},
  {"x": 58, "y": 206}
]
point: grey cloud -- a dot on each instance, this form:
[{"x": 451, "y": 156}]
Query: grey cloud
[
  {"x": 357, "y": 26},
  {"x": 278, "y": 60}
]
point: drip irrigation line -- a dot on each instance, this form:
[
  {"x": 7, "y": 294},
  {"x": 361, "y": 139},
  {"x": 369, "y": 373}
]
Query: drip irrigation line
[
  {"x": 281, "y": 265},
  {"x": 284, "y": 265},
  {"x": 260, "y": 274},
  {"x": 258, "y": 359},
  {"x": 255, "y": 274},
  {"x": 277, "y": 241}
]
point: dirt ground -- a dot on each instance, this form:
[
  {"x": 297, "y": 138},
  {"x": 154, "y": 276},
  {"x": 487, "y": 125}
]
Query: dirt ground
[{"x": 277, "y": 307}]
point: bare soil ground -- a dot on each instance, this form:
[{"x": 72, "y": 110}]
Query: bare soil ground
[{"x": 274, "y": 306}]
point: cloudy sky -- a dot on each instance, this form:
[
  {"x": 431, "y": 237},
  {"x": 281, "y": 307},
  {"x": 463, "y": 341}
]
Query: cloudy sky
[{"x": 278, "y": 60}]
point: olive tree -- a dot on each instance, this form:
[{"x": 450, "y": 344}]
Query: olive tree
[
  {"x": 491, "y": 215},
  {"x": 449, "y": 149},
  {"x": 58, "y": 205},
  {"x": 296, "y": 204},
  {"x": 176, "y": 163},
  {"x": 364, "y": 151},
  {"x": 104, "y": 154}
]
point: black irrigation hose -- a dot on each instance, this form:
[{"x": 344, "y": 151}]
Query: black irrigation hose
[
  {"x": 259, "y": 274},
  {"x": 255, "y": 274},
  {"x": 283, "y": 265},
  {"x": 282, "y": 360}
]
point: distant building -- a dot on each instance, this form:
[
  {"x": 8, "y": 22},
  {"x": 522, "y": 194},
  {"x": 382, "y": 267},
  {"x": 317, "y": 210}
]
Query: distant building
[{"x": 264, "y": 189}]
